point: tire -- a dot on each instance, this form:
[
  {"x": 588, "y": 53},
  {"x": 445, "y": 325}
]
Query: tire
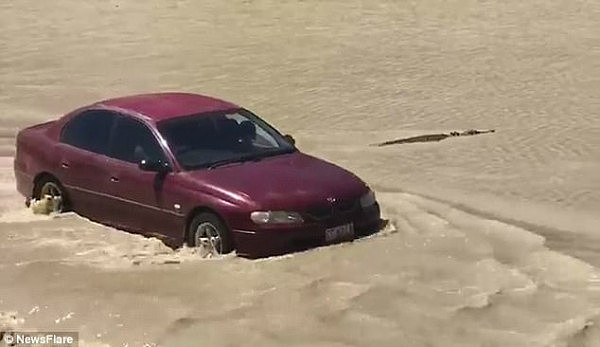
[
  {"x": 51, "y": 186},
  {"x": 208, "y": 233}
]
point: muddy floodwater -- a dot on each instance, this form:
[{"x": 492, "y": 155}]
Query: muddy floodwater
[{"x": 493, "y": 240}]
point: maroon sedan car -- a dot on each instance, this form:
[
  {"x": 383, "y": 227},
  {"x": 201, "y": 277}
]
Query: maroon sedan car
[{"x": 192, "y": 169}]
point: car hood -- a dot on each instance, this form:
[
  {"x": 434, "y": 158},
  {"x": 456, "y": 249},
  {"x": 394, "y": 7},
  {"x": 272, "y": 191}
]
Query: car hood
[{"x": 289, "y": 181}]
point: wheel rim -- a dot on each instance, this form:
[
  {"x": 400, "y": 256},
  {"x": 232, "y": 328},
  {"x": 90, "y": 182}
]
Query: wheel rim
[
  {"x": 208, "y": 240},
  {"x": 52, "y": 189}
]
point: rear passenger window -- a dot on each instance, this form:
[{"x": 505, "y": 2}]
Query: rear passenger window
[{"x": 89, "y": 130}]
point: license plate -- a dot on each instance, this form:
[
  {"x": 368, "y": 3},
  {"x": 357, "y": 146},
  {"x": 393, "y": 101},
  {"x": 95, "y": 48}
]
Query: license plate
[{"x": 341, "y": 232}]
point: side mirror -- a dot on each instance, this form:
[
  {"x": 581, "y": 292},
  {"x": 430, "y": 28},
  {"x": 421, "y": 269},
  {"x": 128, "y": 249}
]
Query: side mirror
[
  {"x": 289, "y": 139},
  {"x": 154, "y": 166}
]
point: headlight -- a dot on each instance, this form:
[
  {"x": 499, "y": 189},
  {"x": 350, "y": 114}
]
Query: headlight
[
  {"x": 275, "y": 217},
  {"x": 368, "y": 199}
]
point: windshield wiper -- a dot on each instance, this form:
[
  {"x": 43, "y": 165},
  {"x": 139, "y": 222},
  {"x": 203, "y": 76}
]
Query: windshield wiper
[
  {"x": 253, "y": 157},
  {"x": 233, "y": 160},
  {"x": 275, "y": 152}
]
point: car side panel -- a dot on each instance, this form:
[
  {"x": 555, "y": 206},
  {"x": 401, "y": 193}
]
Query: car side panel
[
  {"x": 137, "y": 201},
  {"x": 84, "y": 175},
  {"x": 34, "y": 154},
  {"x": 179, "y": 201},
  {"x": 191, "y": 196},
  {"x": 173, "y": 201}
]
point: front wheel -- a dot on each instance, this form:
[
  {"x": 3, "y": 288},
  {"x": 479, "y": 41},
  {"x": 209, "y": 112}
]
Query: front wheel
[{"x": 209, "y": 234}]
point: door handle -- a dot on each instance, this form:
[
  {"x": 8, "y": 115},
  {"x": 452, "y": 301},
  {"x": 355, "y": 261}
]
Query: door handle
[
  {"x": 114, "y": 179},
  {"x": 64, "y": 165}
]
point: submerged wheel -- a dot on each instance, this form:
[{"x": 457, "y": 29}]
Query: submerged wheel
[
  {"x": 54, "y": 189},
  {"x": 209, "y": 234}
]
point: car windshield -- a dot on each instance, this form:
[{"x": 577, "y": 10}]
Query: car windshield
[{"x": 211, "y": 139}]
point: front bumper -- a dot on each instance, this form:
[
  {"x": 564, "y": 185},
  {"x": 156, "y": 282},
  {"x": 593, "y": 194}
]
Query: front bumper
[{"x": 270, "y": 241}]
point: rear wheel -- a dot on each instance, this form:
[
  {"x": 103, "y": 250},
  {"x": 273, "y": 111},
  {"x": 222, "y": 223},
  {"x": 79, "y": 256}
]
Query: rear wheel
[
  {"x": 51, "y": 187},
  {"x": 209, "y": 234}
]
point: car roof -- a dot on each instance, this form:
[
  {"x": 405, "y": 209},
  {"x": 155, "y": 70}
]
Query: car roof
[{"x": 162, "y": 106}]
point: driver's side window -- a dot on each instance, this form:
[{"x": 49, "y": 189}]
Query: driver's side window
[{"x": 132, "y": 141}]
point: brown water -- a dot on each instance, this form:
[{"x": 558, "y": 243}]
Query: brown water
[{"x": 493, "y": 239}]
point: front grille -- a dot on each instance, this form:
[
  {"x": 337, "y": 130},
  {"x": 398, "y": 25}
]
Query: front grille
[
  {"x": 320, "y": 213},
  {"x": 346, "y": 206},
  {"x": 338, "y": 208}
]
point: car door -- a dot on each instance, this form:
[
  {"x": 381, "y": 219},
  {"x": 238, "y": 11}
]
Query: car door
[
  {"x": 82, "y": 151},
  {"x": 139, "y": 194}
]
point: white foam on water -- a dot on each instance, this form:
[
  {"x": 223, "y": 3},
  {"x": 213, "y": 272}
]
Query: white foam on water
[{"x": 433, "y": 263}]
